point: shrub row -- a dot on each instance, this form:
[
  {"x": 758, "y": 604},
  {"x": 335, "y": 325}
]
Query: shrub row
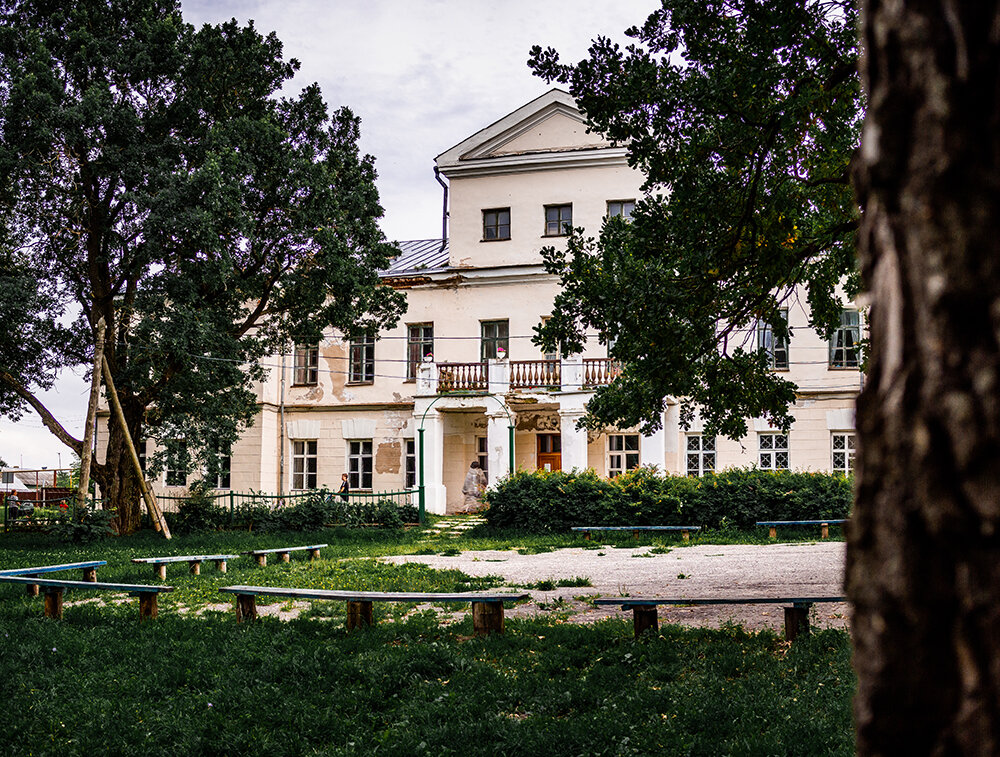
[
  {"x": 554, "y": 501},
  {"x": 198, "y": 512}
]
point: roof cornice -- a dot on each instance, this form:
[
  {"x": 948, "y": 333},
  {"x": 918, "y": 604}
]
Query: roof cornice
[{"x": 542, "y": 161}]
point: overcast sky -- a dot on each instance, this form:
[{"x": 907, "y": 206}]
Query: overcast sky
[{"x": 422, "y": 74}]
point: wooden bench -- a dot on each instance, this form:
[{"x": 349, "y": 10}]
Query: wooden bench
[
  {"x": 89, "y": 570},
  {"x": 283, "y": 552},
  {"x": 54, "y": 593},
  {"x": 636, "y": 530},
  {"x": 194, "y": 561},
  {"x": 487, "y": 609},
  {"x": 824, "y": 525},
  {"x": 644, "y": 609}
]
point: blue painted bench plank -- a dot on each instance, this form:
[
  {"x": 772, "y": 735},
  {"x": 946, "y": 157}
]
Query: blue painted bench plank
[
  {"x": 261, "y": 554},
  {"x": 53, "y": 568},
  {"x": 182, "y": 558},
  {"x": 54, "y": 594},
  {"x": 801, "y": 522},
  {"x": 685, "y": 530}
]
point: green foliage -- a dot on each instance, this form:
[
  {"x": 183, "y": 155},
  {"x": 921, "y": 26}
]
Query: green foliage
[
  {"x": 743, "y": 117},
  {"x": 544, "y": 502},
  {"x": 200, "y": 512},
  {"x": 151, "y": 174},
  {"x": 87, "y": 526}
]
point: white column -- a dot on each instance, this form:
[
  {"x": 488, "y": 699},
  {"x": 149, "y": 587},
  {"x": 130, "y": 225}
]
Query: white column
[
  {"x": 571, "y": 375},
  {"x": 498, "y": 445},
  {"x": 436, "y": 496},
  {"x": 498, "y": 377},
  {"x": 675, "y": 460},
  {"x": 427, "y": 378},
  {"x": 574, "y": 440},
  {"x": 652, "y": 449}
]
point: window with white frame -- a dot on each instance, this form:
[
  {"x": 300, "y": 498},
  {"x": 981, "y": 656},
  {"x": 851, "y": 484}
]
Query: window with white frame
[
  {"x": 621, "y": 208},
  {"x": 305, "y": 464},
  {"x": 623, "y": 453},
  {"x": 844, "y": 351},
  {"x": 419, "y": 345},
  {"x": 176, "y": 462},
  {"x": 772, "y": 451},
  {"x": 842, "y": 446},
  {"x": 359, "y": 463},
  {"x": 495, "y": 336},
  {"x": 776, "y": 348},
  {"x": 700, "y": 454},
  {"x": 410, "y": 463},
  {"x": 482, "y": 454},
  {"x": 221, "y": 466},
  {"x": 558, "y": 220},
  {"x": 306, "y": 364},
  {"x": 361, "y": 359}
]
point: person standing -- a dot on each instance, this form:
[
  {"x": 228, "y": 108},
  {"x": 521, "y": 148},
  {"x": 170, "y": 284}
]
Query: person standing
[
  {"x": 345, "y": 487},
  {"x": 473, "y": 488}
]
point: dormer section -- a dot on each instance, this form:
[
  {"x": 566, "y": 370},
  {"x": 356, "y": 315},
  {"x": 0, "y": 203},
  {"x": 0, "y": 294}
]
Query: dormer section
[{"x": 516, "y": 184}]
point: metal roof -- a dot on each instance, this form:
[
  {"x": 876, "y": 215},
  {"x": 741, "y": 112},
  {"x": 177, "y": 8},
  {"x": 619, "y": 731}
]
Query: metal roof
[{"x": 418, "y": 256}]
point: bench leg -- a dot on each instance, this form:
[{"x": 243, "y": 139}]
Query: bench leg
[
  {"x": 824, "y": 531},
  {"x": 586, "y": 535},
  {"x": 635, "y": 534},
  {"x": 31, "y": 589},
  {"x": 644, "y": 618},
  {"x": 487, "y": 618},
  {"x": 359, "y": 615},
  {"x": 53, "y": 603},
  {"x": 261, "y": 560},
  {"x": 313, "y": 554},
  {"x": 797, "y": 621},
  {"x": 222, "y": 565},
  {"x": 772, "y": 532},
  {"x": 90, "y": 575},
  {"x": 161, "y": 571},
  {"x": 147, "y": 605},
  {"x": 195, "y": 567},
  {"x": 686, "y": 535},
  {"x": 246, "y": 607},
  {"x": 285, "y": 556}
]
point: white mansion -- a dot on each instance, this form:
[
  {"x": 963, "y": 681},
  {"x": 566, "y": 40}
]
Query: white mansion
[{"x": 460, "y": 369}]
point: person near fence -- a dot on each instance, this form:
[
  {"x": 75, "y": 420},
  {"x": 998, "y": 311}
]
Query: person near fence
[
  {"x": 345, "y": 487},
  {"x": 473, "y": 488}
]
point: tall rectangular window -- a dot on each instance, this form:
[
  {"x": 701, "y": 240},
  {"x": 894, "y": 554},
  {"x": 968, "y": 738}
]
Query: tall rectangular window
[
  {"x": 775, "y": 347},
  {"x": 842, "y": 444},
  {"x": 558, "y": 220},
  {"x": 621, "y": 208},
  {"x": 496, "y": 224},
  {"x": 7, "y": 477},
  {"x": 844, "y": 343},
  {"x": 410, "y": 474},
  {"x": 359, "y": 463},
  {"x": 773, "y": 451},
  {"x": 221, "y": 466},
  {"x": 623, "y": 453},
  {"x": 419, "y": 345},
  {"x": 482, "y": 455},
  {"x": 361, "y": 359},
  {"x": 700, "y": 454},
  {"x": 494, "y": 336},
  {"x": 176, "y": 462},
  {"x": 140, "y": 451},
  {"x": 305, "y": 464},
  {"x": 306, "y": 364}
]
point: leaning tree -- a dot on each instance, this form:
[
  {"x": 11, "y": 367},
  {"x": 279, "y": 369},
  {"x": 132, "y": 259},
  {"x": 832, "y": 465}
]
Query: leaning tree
[{"x": 151, "y": 174}]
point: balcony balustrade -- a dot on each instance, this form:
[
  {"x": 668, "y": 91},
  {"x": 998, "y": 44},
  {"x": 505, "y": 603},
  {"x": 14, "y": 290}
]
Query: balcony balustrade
[{"x": 501, "y": 376}]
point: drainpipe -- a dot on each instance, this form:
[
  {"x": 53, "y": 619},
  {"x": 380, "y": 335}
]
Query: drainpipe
[
  {"x": 281, "y": 430},
  {"x": 444, "y": 209}
]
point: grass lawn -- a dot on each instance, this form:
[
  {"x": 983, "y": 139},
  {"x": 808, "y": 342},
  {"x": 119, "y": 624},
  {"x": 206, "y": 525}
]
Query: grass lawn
[{"x": 194, "y": 682}]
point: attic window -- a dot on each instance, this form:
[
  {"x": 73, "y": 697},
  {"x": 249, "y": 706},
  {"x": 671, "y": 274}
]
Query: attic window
[
  {"x": 558, "y": 220},
  {"x": 496, "y": 224}
]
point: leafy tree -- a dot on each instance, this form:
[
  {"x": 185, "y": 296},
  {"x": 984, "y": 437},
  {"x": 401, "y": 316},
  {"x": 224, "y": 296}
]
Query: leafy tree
[
  {"x": 150, "y": 174},
  {"x": 743, "y": 117},
  {"x": 923, "y": 566}
]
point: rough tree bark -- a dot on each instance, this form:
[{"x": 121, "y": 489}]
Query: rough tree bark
[{"x": 924, "y": 549}]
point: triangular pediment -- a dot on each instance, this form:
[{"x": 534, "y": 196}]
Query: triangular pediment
[{"x": 550, "y": 123}]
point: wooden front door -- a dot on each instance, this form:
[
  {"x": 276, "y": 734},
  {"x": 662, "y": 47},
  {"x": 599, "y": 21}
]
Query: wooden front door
[{"x": 549, "y": 452}]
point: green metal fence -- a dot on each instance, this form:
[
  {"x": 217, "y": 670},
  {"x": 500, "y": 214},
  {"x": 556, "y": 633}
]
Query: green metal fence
[
  {"x": 42, "y": 513},
  {"x": 232, "y": 500}
]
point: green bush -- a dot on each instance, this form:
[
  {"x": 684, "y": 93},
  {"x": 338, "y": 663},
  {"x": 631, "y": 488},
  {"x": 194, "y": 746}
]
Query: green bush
[
  {"x": 88, "y": 525},
  {"x": 554, "y": 501}
]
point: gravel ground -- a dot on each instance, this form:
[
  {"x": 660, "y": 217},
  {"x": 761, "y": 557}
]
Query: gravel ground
[{"x": 801, "y": 569}]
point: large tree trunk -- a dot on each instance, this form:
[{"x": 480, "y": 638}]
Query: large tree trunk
[
  {"x": 923, "y": 565},
  {"x": 117, "y": 477}
]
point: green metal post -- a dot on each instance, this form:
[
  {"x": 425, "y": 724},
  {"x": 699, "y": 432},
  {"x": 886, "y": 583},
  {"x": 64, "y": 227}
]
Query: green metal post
[
  {"x": 510, "y": 449},
  {"x": 421, "y": 502},
  {"x": 232, "y": 507}
]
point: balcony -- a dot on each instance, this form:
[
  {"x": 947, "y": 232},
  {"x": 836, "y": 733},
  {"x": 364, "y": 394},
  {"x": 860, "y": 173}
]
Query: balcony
[{"x": 503, "y": 376}]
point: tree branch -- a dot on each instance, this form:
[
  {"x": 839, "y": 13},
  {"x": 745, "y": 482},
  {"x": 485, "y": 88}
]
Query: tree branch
[{"x": 47, "y": 418}]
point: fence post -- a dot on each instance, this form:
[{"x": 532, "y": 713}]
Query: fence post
[{"x": 232, "y": 507}]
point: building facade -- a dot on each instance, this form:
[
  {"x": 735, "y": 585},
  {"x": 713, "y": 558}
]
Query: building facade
[{"x": 460, "y": 371}]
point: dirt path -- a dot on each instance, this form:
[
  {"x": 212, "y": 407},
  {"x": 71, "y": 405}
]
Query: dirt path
[{"x": 774, "y": 570}]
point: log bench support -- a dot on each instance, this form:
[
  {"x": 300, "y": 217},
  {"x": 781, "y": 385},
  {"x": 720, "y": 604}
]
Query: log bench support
[
  {"x": 147, "y": 605},
  {"x": 222, "y": 565},
  {"x": 285, "y": 556},
  {"x": 359, "y": 615},
  {"x": 53, "y": 602},
  {"x": 487, "y": 618},
  {"x": 644, "y": 618},
  {"x": 161, "y": 571},
  {"x": 313, "y": 554},
  {"x": 797, "y": 620},
  {"x": 195, "y": 566},
  {"x": 261, "y": 560},
  {"x": 31, "y": 589},
  {"x": 246, "y": 608}
]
